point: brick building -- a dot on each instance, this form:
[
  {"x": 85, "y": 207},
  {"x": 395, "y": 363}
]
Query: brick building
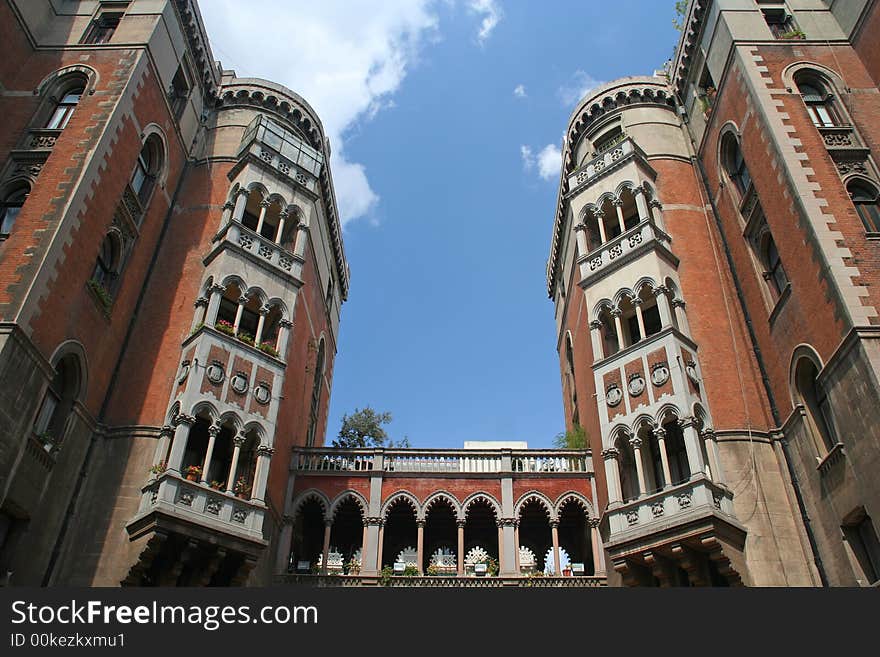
[
  {"x": 171, "y": 276},
  {"x": 714, "y": 268}
]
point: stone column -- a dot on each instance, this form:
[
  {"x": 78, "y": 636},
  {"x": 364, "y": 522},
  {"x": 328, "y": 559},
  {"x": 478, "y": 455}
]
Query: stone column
[
  {"x": 325, "y": 551},
  {"x": 598, "y": 552},
  {"x": 282, "y": 558},
  {"x": 420, "y": 545},
  {"x": 618, "y": 327},
  {"x": 261, "y": 476},
  {"x": 692, "y": 446},
  {"x": 596, "y": 339},
  {"x": 302, "y": 236},
  {"x": 183, "y": 424},
  {"x": 459, "y": 555},
  {"x": 660, "y": 432},
  {"x": 284, "y": 327},
  {"x": 657, "y": 213},
  {"x": 711, "y": 443},
  {"x": 241, "y": 199},
  {"x": 213, "y": 431},
  {"x": 380, "y": 545},
  {"x": 238, "y": 441},
  {"x": 612, "y": 475},
  {"x": 618, "y": 206},
  {"x": 636, "y": 443},
  {"x": 282, "y": 217},
  {"x": 242, "y": 302},
  {"x": 557, "y": 562},
  {"x": 580, "y": 233},
  {"x": 226, "y": 215},
  {"x": 660, "y": 293},
  {"x": 640, "y": 318},
  {"x": 516, "y": 546},
  {"x": 678, "y": 307},
  {"x": 641, "y": 203},
  {"x": 199, "y": 316},
  {"x": 215, "y": 295},
  {"x": 264, "y": 310},
  {"x": 600, "y": 219},
  {"x": 264, "y": 206},
  {"x": 165, "y": 437},
  {"x": 502, "y": 557}
]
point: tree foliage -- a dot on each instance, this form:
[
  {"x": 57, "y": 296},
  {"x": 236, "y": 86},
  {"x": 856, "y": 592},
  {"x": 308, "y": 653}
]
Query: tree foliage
[
  {"x": 574, "y": 439},
  {"x": 364, "y": 428},
  {"x": 680, "y": 14}
]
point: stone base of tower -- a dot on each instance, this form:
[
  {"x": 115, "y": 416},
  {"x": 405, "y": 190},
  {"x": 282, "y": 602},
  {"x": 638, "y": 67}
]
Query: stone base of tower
[{"x": 707, "y": 549}]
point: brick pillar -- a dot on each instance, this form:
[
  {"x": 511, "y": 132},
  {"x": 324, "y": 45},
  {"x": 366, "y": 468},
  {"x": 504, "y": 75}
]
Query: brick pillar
[{"x": 557, "y": 562}]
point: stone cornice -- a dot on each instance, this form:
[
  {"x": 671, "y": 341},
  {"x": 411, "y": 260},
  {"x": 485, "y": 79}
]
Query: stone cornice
[{"x": 199, "y": 46}]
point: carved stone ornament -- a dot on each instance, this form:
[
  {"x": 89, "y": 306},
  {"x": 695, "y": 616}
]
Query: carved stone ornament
[
  {"x": 690, "y": 369},
  {"x": 239, "y": 383},
  {"x": 215, "y": 372},
  {"x": 184, "y": 371},
  {"x": 262, "y": 394},
  {"x": 636, "y": 385},
  {"x": 613, "y": 396},
  {"x": 660, "y": 374}
]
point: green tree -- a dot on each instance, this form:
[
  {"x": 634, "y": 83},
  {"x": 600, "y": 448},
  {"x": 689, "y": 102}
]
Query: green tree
[
  {"x": 364, "y": 428},
  {"x": 681, "y": 7},
  {"x": 574, "y": 439}
]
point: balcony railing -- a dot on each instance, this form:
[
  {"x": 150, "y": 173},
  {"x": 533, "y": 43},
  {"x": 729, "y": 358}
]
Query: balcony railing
[
  {"x": 677, "y": 504},
  {"x": 282, "y": 150},
  {"x": 197, "y": 503},
  {"x": 261, "y": 249},
  {"x": 442, "y": 461},
  {"x": 841, "y": 138},
  {"x": 614, "y": 251},
  {"x": 324, "y": 581},
  {"x": 614, "y": 156}
]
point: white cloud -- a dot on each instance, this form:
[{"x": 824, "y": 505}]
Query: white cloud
[
  {"x": 345, "y": 58},
  {"x": 581, "y": 84},
  {"x": 520, "y": 91},
  {"x": 491, "y": 15},
  {"x": 548, "y": 161}
]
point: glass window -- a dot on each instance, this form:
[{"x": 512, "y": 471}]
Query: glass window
[
  {"x": 10, "y": 209},
  {"x": 775, "y": 272},
  {"x": 867, "y": 203},
  {"x": 102, "y": 28},
  {"x": 64, "y": 109},
  {"x": 819, "y": 104}
]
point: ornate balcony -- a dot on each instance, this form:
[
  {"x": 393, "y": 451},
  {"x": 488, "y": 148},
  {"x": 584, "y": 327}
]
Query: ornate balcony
[
  {"x": 465, "y": 462},
  {"x": 623, "y": 249},
  {"x": 614, "y": 157},
  {"x": 42, "y": 139},
  {"x": 242, "y": 240},
  {"x": 282, "y": 151},
  {"x": 175, "y": 504},
  {"x": 841, "y": 137},
  {"x": 327, "y": 581}
]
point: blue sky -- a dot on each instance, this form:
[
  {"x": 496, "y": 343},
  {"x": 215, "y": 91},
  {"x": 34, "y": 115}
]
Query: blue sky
[{"x": 445, "y": 119}]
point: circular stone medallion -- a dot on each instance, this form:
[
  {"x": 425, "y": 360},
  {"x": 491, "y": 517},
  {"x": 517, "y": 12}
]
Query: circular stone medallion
[{"x": 613, "y": 395}]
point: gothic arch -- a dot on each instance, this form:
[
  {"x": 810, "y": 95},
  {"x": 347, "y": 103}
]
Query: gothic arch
[
  {"x": 543, "y": 500},
  {"x": 65, "y": 74},
  {"x": 666, "y": 411},
  {"x": 407, "y": 498},
  {"x": 801, "y": 351},
  {"x": 311, "y": 494},
  {"x": 359, "y": 499},
  {"x": 579, "y": 498},
  {"x": 77, "y": 351},
  {"x": 480, "y": 497},
  {"x": 442, "y": 495},
  {"x": 206, "y": 408}
]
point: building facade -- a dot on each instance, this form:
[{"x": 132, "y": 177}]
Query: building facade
[
  {"x": 713, "y": 265},
  {"x": 172, "y": 275}
]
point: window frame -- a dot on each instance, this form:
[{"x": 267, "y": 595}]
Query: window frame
[
  {"x": 102, "y": 27},
  {"x": 8, "y": 204},
  {"x": 870, "y": 217}
]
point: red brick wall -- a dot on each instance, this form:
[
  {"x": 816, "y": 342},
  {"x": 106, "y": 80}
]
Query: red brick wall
[{"x": 866, "y": 44}]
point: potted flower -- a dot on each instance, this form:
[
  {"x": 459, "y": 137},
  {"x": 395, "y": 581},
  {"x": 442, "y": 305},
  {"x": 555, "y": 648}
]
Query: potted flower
[
  {"x": 241, "y": 489},
  {"x": 216, "y": 485},
  {"x": 433, "y": 570},
  {"x": 225, "y": 327},
  {"x": 411, "y": 570},
  {"x": 247, "y": 338},
  {"x": 50, "y": 444},
  {"x": 268, "y": 348},
  {"x": 193, "y": 473},
  {"x": 158, "y": 468},
  {"x": 354, "y": 567},
  {"x": 566, "y": 572}
]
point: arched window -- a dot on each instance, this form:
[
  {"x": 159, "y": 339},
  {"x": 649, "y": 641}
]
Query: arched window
[
  {"x": 864, "y": 196},
  {"x": 106, "y": 273},
  {"x": 51, "y": 422},
  {"x": 316, "y": 395},
  {"x": 735, "y": 164},
  {"x": 774, "y": 272},
  {"x": 815, "y": 402},
  {"x": 11, "y": 207},
  {"x": 819, "y": 102},
  {"x": 60, "y": 117},
  {"x": 571, "y": 381},
  {"x": 146, "y": 170}
]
